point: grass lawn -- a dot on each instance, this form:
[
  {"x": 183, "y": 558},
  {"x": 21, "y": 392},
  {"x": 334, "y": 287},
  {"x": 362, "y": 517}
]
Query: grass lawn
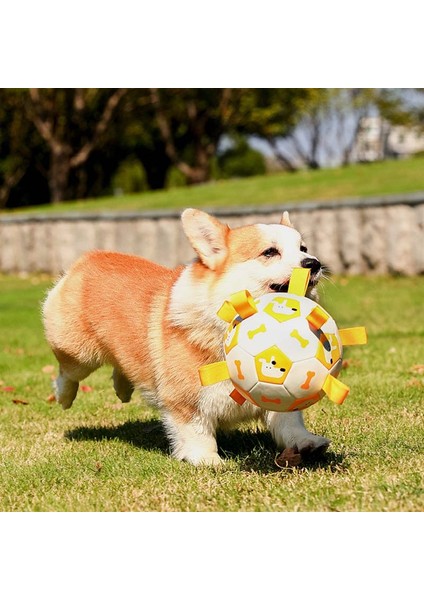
[
  {"x": 389, "y": 177},
  {"x": 104, "y": 456}
]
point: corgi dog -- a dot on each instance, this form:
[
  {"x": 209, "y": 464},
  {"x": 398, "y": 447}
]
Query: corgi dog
[{"x": 156, "y": 326}]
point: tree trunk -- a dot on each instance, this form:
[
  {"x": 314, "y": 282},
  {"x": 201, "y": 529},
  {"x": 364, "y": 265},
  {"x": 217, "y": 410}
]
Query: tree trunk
[
  {"x": 197, "y": 175},
  {"x": 60, "y": 168},
  {"x": 313, "y": 164},
  {"x": 282, "y": 158},
  {"x": 200, "y": 171},
  {"x": 9, "y": 183},
  {"x": 156, "y": 164}
]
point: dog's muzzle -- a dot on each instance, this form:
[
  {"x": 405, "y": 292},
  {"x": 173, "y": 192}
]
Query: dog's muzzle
[
  {"x": 311, "y": 263},
  {"x": 307, "y": 263}
]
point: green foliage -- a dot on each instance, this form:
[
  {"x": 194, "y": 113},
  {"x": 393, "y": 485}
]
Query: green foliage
[
  {"x": 241, "y": 161},
  {"x": 175, "y": 179},
  {"x": 272, "y": 112},
  {"x": 65, "y": 143},
  {"x": 130, "y": 177},
  {"x": 22, "y": 152}
]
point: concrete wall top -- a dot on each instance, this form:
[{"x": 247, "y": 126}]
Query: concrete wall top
[{"x": 411, "y": 199}]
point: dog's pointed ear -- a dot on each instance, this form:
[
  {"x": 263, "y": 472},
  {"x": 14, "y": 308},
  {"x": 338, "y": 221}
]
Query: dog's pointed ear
[
  {"x": 285, "y": 220},
  {"x": 207, "y": 235}
]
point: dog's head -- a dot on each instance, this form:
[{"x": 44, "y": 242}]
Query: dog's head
[{"x": 259, "y": 258}]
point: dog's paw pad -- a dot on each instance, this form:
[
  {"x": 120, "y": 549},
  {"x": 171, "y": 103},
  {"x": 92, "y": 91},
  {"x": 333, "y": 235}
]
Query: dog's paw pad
[{"x": 289, "y": 457}]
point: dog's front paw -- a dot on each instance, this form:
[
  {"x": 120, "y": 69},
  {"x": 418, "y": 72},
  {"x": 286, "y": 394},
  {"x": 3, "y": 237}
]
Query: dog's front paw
[
  {"x": 312, "y": 444},
  {"x": 211, "y": 459}
]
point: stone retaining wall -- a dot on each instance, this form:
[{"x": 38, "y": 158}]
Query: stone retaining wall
[{"x": 377, "y": 235}]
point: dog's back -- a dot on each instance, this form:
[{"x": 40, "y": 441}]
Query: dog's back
[{"x": 99, "y": 312}]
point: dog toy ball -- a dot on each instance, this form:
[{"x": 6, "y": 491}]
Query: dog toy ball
[{"x": 283, "y": 352}]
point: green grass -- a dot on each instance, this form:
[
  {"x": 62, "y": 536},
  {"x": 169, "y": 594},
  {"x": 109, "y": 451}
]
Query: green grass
[
  {"x": 389, "y": 177},
  {"x": 104, "y": 456}
]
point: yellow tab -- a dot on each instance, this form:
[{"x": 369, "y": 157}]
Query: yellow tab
[
  {"x": 213, "y": 373},
  {"x": 317, "y": 317},
  {"x": 243, "y": 303},
  {"x": 353, "y": 336},
  {"x": 227, "y": 312},
  {"x": 240, "y": 303},
  {"x": 299, "y": 281},
  {"x": 335, "y": 389}
]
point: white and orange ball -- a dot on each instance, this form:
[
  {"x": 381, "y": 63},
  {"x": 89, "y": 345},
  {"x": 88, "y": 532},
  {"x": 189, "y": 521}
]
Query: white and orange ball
[
  {"x": 277, "y": 359},
  {"x": 283, "y": 352}
]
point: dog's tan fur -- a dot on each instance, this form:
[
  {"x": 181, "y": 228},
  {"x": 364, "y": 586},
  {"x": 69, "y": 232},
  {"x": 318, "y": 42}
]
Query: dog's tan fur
[{"x": 157, "y": 326}]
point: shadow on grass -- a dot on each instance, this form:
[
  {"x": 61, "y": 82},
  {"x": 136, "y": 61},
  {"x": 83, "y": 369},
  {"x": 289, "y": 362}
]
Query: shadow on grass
[
  {"x": 255, "y": 451},
  {"x": 251, "y": 450},
  {"x": 148, "y": 435}
]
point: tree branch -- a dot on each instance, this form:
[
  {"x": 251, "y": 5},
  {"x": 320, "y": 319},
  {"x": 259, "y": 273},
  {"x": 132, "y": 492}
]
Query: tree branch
[
  {"x": 43, "y": 123},
  {"x": 9, "y": 182},
  {"x": 81, "y": 156},
  {"x": 225, "y": 103},
  {"x": 280, "y": 156},
  {"x": 166, "y": 133},
  {"x": 79, "y": 100},
  {"x": 163, "y": 125}
]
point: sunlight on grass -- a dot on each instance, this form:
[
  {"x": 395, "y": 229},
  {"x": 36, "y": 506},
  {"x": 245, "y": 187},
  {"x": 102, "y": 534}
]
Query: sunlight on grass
[
  {"x": 105, "y": 456},
  {"x": 389, "y": 177}
]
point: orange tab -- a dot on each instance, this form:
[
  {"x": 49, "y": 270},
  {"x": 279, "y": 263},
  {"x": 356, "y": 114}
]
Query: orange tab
[
  {"x": 237, "y": 397},
  {"x": 353, "y": 336},
  {"x": 317, "y": 317},
  {"x": 335, "y": 389}
]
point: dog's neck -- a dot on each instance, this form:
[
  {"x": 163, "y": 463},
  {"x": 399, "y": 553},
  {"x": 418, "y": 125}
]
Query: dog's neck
[
  {"x": 193, "y": 306},
  {"x": 194, "y": 303}
]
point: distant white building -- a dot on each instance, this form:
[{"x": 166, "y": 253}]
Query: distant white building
[{"x": 377, "y": 139}]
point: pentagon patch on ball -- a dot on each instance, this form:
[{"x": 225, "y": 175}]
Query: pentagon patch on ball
[{"x": 283, "y": 352}]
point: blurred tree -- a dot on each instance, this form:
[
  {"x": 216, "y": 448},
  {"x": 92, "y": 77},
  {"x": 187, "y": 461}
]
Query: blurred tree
[
  {"x": 313, "y": 126},
  {"x": 272, "y": 114},
  {"x": 71, "y": 122},
  {"x": 240, "y": 160},
  {"x": 330, "y": 121},
  {"x": 129, "y": 178},
  {"x": 21, "y": 148},
  {"x": 329, "y": 126},
  {"x": 134, "y": 134},
  {"x": 418, "y": 109},
  {"x": 191, "y": 123},
  {"x": 57, "y": 144}
]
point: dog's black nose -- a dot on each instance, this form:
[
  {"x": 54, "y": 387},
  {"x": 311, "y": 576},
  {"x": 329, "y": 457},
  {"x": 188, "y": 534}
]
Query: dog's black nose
[{"x": 311, "y": 263}]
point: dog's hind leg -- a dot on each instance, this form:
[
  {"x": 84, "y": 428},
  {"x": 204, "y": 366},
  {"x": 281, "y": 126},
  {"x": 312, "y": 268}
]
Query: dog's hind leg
[
  {"x": 71, "y": 373},
  {"x": 122, "y": 386},
  {"x": 65, "y": 390}
]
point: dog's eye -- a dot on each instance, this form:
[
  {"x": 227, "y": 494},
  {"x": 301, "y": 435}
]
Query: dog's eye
[
  {"x": 269, "y": 252},
  {"x": 303, "y": 248}
]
